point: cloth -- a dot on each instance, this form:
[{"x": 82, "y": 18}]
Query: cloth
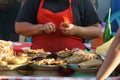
[
  {"x": 49, "y": 78},
  {"x": 18, "y": 47},
  {"x": 60, "y": 41},
  {"x": 84, "y": 13}
]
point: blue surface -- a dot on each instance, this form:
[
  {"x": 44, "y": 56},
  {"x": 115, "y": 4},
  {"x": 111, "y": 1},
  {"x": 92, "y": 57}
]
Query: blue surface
[
  {"x": 84, "y": 75},
  {"x": 29, "y": 39},
  {"x": 115, "y": 5}
]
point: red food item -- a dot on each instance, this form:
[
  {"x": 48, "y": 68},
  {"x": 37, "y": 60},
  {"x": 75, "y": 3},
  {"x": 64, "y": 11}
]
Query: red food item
[
  {"x": 66, "y": 19},
  {"x": 65, "y": 71},
  {"x": 64, "y": 26}
]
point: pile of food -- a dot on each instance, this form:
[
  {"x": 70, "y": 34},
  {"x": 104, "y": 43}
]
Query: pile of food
[
  {"x": 81, "y": 58},
  {"x": 102, "y": 50},
  {"x": 7, "y": 56},
  {"x": 6, "y": 48},
  {"x": 29, "y": 57}
]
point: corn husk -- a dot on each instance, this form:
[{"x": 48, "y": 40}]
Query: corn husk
[{"x": 102, "y": 50}]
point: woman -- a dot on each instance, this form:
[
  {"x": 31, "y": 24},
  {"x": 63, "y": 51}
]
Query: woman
[
  {"x": 112, "y": 59},
  {"x": 44, "y": 21}
]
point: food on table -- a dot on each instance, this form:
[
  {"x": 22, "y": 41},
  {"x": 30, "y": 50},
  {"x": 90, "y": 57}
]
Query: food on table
[
  {"x": 7, "y": 56},
  {"x": 4, "y": 63},
  {"x": 102, "y": 50},
  {"x": 82, "y": 53},
  {"x": 26, "y": 70},
  {"x": 40, "y": 57},
  {"x": 64, "y": 53},
  {"x": 5, "y": 48},
  {"x": 58, "y": 62},
  {"x": 37, "y": 58},
  {"x": 46, "y": 61},
  {"x": 36, "y": 52},
  {"x": 80, "y": 56},
  {"x": 17, "y": 60},
  {"x": 65, "y": 71},
  {"x": 54, "y": 55},
  {"x": 91, "y": 63},
  {"x": 74, "y": 60},
  {"x": 5, "y": 43},
  {"x": 14, "y": 60},
  {"x": 51, "y": 61}
]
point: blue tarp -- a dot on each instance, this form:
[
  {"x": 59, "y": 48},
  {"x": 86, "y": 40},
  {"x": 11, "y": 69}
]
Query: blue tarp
[{"x": 115, "y": 5}]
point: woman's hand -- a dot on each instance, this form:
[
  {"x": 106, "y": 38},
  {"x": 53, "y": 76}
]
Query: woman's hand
[
  {"x": 49, "y": 28},
  {"x": 67, "y": 29},
  {"x": 29, "y": 29}
]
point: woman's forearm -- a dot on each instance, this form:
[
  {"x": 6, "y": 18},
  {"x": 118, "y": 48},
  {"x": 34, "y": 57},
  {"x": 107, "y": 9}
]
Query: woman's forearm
[
  {"x": 112, "y": 60},
  {"x": 27, "y": 29},
  {"x": 89, "y": 32}
]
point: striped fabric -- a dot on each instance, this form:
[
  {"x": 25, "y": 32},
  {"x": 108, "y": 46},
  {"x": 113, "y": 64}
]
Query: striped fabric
[{"x": 50, "y": 78}]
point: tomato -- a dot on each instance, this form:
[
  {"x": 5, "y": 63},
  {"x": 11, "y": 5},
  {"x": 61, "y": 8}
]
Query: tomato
[{"x": 64, "y": 26}]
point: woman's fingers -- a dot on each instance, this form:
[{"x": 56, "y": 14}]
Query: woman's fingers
[
  {"x": 65, "y": 32},
  {"x": 67, "y": 29},
  {"x": 49, "y": 27},
  {"x": 53, "y": 27},
  {"x": 64, "y": 25}
]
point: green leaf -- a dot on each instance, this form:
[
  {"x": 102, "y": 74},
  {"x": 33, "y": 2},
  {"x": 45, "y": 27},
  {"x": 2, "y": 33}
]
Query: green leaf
[
  {"x": 64, "y": 66},
  {"x": 73, "y": 66},
  {"x": 107, "y": 32}
]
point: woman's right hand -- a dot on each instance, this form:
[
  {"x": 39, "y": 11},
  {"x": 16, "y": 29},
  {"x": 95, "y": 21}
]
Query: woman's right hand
[
  {"x": 29, "y": 29},
  {"x": 49, "y": 28}
]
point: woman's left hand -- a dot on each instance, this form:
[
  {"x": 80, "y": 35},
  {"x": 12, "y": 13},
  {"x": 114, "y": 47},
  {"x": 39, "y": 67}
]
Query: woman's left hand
[{"x": 67, "y": 29}]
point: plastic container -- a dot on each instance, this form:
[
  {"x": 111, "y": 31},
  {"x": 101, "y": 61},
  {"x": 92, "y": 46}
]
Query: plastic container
[{"x": 98, "y": 41}]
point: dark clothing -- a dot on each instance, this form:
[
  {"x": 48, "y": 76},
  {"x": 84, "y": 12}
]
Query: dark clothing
[
  {"x": 8, "y": 14},
  {"x": 83, "y": 11}
]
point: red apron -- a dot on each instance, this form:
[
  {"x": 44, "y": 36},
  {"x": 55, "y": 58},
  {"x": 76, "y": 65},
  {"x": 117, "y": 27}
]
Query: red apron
[{"x": 56, "y": 41}]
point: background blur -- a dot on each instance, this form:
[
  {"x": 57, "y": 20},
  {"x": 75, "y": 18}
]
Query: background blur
[{"x": 10, "y": 8}]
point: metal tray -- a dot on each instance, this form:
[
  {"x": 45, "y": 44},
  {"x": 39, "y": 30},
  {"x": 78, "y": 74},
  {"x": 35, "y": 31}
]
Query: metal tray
[
  {"x": 55, "y": 68},
  {"x": 44, "y": 67},
  {"x": 88, "y": 70},
  {"x": 10, "y": 67}
]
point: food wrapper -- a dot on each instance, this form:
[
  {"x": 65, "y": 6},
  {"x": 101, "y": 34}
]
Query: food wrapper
[
  {"x": 91, "y": 63},
  {"x": 5, "y": 49},
  {"x": 102, "y": 50}
]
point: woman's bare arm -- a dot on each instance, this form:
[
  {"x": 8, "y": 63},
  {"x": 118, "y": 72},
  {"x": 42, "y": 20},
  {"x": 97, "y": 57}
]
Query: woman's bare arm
[
  {"x": 28, "y": 29},
  {"x": 112, "y": 59},
  {"x": 88, "y": 32}
]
